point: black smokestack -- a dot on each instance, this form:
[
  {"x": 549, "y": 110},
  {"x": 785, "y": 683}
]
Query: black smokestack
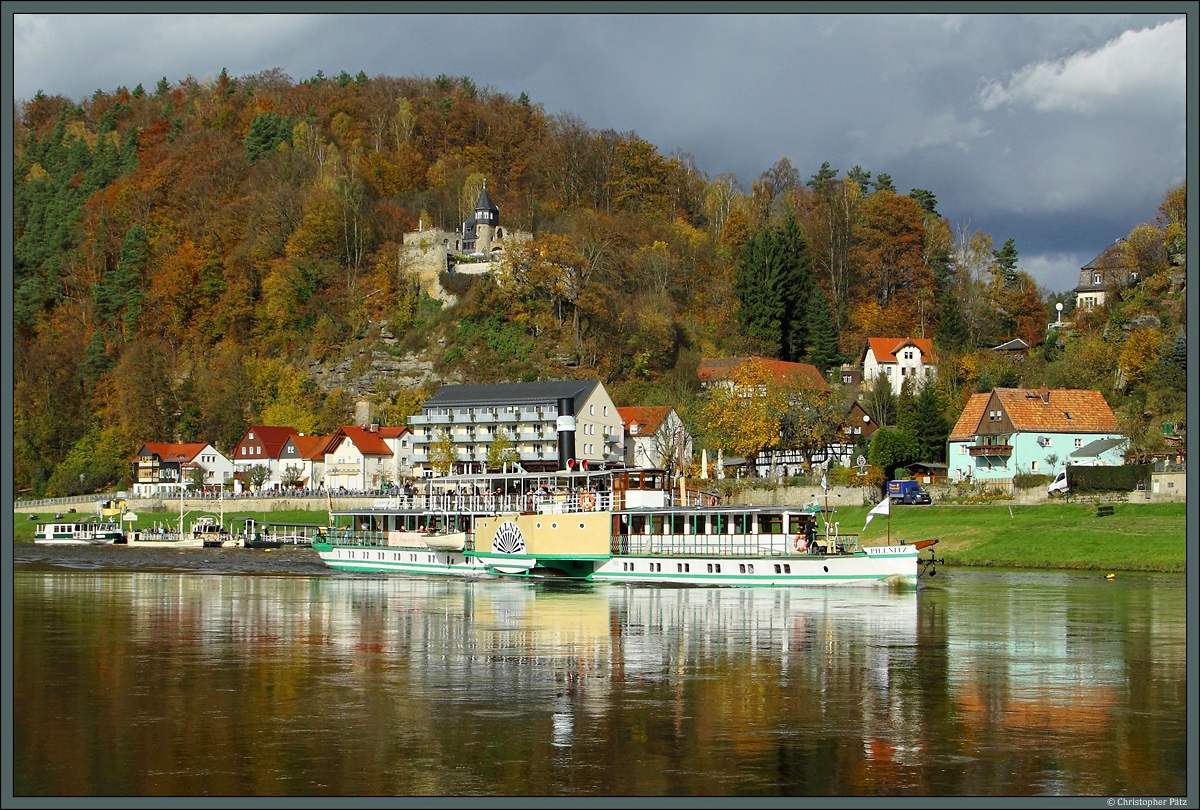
[{"x": 565, "y": 424}]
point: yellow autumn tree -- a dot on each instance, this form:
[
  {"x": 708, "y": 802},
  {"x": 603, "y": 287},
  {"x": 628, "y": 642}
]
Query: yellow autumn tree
[
  {"x": 1139, "y": 355},
  {"x": 741, "y": 414},
  {"x": 442, "y": 453}
]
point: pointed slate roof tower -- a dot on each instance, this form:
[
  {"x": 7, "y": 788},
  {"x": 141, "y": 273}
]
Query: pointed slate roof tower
[{"x": 486, "y": 212}]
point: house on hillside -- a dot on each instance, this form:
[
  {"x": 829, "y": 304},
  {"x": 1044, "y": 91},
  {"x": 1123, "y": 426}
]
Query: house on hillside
[
  {"x": 718, "y": 370},
  {"x": 362, "y": 459},
  {"x": 1022, "y": 430},
  {"x": 1102, "y": 276},
  {"x": 1013, "y": 350},
  {"x": 655, "y": 436},
  {"x": 159, "y": 467},
  {"x": 898, "y": 359},
  {"x": 472, "y": 416},
  {"x": 261, "y": 446}
]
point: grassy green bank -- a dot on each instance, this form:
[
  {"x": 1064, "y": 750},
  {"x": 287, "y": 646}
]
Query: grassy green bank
[{"x": 1136, "y": 537}]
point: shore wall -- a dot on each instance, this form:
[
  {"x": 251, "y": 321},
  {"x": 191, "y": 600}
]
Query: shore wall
[{"x": 1167, "y": 487}]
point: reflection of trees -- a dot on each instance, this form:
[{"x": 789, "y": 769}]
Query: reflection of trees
[{"x": 372, "y": 686}]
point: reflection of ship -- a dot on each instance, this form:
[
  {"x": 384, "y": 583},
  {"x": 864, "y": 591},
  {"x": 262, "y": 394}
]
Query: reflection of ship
[{"x": 618, "y": 525}]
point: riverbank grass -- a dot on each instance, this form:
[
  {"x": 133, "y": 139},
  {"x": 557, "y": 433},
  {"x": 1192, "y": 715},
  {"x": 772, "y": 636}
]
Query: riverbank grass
[{"x": 1135, "y": 537}]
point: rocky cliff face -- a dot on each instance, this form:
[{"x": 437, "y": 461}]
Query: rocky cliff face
[{"x": 374, "y": 372}]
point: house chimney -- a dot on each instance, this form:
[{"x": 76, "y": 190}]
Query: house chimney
[
  {"x": 374, "y": 427},
  {"x": 1045, "y": 394}
]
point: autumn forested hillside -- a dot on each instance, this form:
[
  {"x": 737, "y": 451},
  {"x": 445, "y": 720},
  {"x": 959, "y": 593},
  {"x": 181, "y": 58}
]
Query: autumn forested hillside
[{"x": 184, "y": 256}]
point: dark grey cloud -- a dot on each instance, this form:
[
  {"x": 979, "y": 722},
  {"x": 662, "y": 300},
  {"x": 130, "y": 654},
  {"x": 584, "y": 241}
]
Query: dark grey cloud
[{"x": 1061, "y": 131}]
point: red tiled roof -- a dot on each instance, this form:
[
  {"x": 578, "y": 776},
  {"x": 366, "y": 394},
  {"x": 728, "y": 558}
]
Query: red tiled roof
[
  {"x": 1068, "y": 410},
  {"x": 368, "y": 443},
  {"x": 394, "y": 432},
  {"x": 719, "y": 368},
  {"x": 648, "y": 418},
  {"x": 885, "y": 348},
  {"x": 311, "y": 447},
  {"x": 968, "y": 422},
  {"x": 167, "y": 451}
]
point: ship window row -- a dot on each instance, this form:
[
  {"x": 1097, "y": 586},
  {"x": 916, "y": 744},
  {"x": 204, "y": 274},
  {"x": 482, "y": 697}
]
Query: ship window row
[
  {"x": 684, "y": 568},
  {"x": 382, "y": 556}
]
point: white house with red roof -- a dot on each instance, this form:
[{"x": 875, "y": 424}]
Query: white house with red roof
[
  {"x": 898, "y": 359},
  {"x": 262, "y": 445},
  {"x": 303, "y": 461},
  {"x": 368, "y": 458},
  {"x": 159, "y": 467},
  {"x": 655, "y": 436}
]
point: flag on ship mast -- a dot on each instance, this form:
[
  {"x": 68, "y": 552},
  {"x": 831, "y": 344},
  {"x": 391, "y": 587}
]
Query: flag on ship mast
[{"x": 881, "y": 508}]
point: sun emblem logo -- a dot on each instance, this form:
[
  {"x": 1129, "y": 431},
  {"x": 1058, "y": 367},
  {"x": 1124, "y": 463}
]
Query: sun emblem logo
[{"x": 508, "y": 539}]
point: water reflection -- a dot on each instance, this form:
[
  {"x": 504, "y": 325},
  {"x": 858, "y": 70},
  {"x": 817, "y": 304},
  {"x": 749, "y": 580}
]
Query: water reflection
[{"x": 988, "y": 684}]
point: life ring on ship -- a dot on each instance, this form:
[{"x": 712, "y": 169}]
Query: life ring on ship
[
  {"x": 799, "y": 543},
  {"x": 587, "y": 501},
  {"x": 712, "y": 500}
]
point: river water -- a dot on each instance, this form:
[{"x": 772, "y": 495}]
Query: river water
[{"x": 230, "y": 672}]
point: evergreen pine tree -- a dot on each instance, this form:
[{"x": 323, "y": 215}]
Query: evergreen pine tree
[
  {"x": 1178, "y": 353},
  {"x": 758, "y": 309},
  {"x": 950, "y": 334},
  {"x": 880, "y": 403},
  {"x": 883, "y": 182},
  {"x": 823, "y": 337},
  {"x": 822, "y": 181},
  {"x": 906, "y": 408},
  {"x": 795, "y": 288},
  {"x": 772, "y": 282},
  {"x": 1006, "y": 262},
  {"x": 860, "y": 176},
  {"x": 925, "y": 199},
  {"x": 930, "y": 426}
]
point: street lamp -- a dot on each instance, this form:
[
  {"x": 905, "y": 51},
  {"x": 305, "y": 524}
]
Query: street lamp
[
  {"x": 81, "y": 483},
  {"x": 1059, "y": 307}
]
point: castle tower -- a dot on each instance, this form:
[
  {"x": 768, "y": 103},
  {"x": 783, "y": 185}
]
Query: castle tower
[{"x": 485, "y": 220}]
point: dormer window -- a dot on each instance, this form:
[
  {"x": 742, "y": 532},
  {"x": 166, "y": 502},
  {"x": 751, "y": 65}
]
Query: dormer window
[{"x": 1097, "y": 278}]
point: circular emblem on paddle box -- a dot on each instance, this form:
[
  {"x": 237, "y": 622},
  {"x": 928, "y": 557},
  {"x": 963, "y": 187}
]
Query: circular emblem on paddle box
[{"x": 508, "y": 539}]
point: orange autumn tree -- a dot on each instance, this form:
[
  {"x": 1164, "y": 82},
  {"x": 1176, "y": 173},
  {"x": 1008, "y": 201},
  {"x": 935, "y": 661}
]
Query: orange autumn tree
[{"x": 888, "y": 255}]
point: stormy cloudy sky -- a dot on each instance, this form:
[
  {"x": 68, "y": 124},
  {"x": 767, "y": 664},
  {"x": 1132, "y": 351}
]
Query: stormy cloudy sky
[{"x": 1062, "y": 131}]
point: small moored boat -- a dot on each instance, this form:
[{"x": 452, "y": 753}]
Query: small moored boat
[{"x": 79, "y": 533}]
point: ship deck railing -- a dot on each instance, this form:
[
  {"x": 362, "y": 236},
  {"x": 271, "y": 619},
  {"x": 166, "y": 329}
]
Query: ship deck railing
[
  {"x": 728, "y": 545},
  {"x": 707, "y": 545},
  {"x": 546, "y": 503}
]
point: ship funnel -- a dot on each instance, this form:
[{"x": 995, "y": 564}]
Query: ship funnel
[{"x": 565, "y": 424}]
